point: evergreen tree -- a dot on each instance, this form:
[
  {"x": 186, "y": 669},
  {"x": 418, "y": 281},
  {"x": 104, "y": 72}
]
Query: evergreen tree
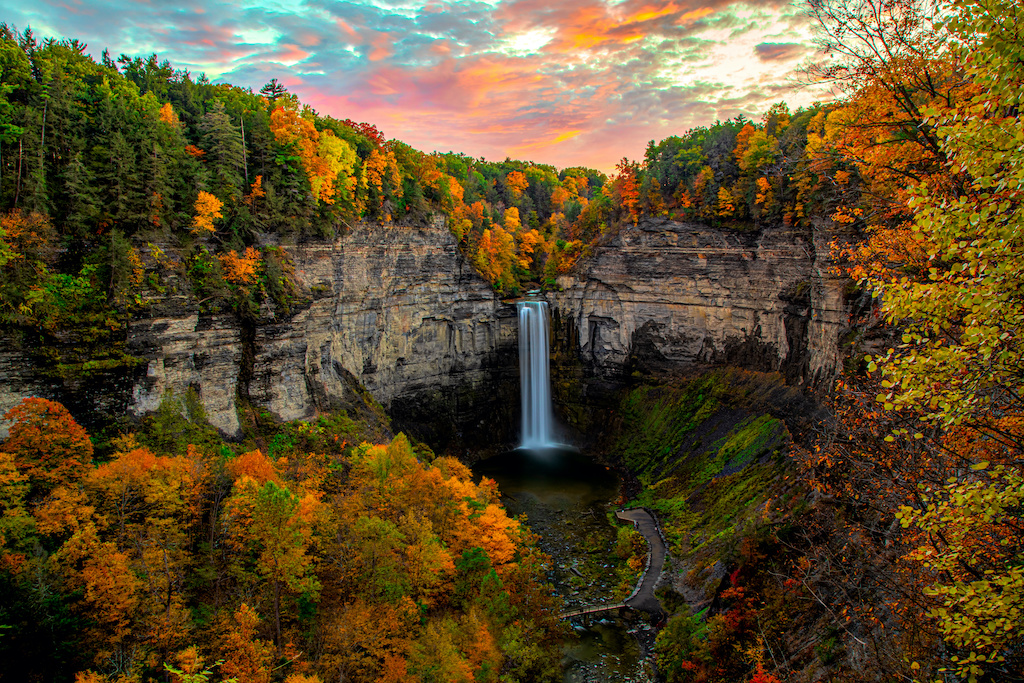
[{"x": 224, "y": 153}]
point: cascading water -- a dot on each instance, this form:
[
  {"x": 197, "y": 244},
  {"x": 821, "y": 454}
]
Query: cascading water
[{"x": 534, "y": 378}]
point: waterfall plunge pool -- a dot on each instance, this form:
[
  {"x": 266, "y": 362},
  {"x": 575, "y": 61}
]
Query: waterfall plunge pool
[{"x": 567, "y": 496}]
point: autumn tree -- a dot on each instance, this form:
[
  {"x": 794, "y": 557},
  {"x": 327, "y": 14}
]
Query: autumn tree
[
  {"x": 48, "y": 447},
  {"x": 517, "y": 183},
  {"x": 241, "y": 269},
  {"x": 948, "y": 397},
  {"x": 626, "y": 188},
  {"x": 207, "y": 210},
  {"x": 274, "y": 525},
  {"x": 328, "y": 161},
  {"x": 247, "y": 657}
]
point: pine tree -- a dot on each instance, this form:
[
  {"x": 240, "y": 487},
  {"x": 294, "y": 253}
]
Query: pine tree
[{"x": 224, "y": 152}]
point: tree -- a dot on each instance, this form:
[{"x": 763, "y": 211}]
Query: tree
[
  {"x": 207, "y": 211},
  {"x": 517, "y": 183},
  {"x": 48, "y": 446},
  {"x": 225, "y": 154},
  {"x": 273, "y": 90},
  {"x": 275, "y": 525},
  {"x": 895, "y": 47},
  {"x": 953, "y": 385},
  {"x": 246, "y": 656},
  {"x": 511, "y": 223},
  {"x": 241, "y": 269}
]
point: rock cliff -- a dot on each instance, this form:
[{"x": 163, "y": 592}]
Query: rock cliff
[
  {"x": 398, "y": 311},
  {"x": 666, "y": 294},
  {"x": 663, "y": 296}
]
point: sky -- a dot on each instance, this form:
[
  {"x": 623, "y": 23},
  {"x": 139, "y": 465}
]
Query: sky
[{"x": 562, "y": 82}]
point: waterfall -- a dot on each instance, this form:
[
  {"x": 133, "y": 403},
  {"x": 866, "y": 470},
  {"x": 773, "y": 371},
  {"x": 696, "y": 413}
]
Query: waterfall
[{"x": 534, "y": 378}]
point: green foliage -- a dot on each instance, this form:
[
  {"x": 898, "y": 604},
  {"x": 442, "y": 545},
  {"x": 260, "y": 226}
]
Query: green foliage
[
  {"x": 177, "y": 422},
  {"x": 675, "y": 645}
]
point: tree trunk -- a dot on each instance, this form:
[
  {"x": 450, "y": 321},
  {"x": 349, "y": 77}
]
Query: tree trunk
[
  {"x": 17, "y": 187},
  {"x": 277, "y": 612},
  {"x": 245, "y": 161}
]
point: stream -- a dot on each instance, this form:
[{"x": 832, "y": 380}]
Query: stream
[{"x": 567, "y": 498}]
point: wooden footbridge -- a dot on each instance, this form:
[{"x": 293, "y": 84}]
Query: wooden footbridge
[
  {"x": 586, "y": 612},
  {"x": 642, "y": 597}
]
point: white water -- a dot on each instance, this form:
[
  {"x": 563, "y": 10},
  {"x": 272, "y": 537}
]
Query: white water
[{"x": 534, "y": 377}]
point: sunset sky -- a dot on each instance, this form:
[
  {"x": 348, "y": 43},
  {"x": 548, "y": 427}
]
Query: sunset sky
[{"x": 564, "y": 82}]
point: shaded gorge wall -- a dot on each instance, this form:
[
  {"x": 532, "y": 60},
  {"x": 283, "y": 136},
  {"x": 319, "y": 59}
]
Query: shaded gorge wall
[{"x": 664, "y": 297}]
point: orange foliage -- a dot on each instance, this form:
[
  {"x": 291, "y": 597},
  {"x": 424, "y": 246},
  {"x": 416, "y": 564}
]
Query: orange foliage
[
  {"x": 255, "y": 466},
  {"x": 456, "y": 190},
  {"x": 742, "y": 139},
  {"x": 110, "y": 587},
  {"x": 559, "y": 196},
  {"x": 207, "y": 211},
  {"x": 241, "y": 270},
  {"x": 764, "y": 192},
  {"x": 194, "y": 151},
  {"x": 256, "y": 191},
  {"x": 168, "y": 116},
  {"x": 381, "y": 169},
  {"x": 322, "y": 154},
  {"x": 48, "y": 446},
  {"x": 246, "y": 656},
  {"x": 528, "y": 242},
  {"x": 761, "y": 676},
  {"x": 517, "y": 182}
]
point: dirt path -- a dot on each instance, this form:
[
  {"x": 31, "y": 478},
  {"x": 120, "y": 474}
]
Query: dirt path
[{"x": 644, "y": 598}]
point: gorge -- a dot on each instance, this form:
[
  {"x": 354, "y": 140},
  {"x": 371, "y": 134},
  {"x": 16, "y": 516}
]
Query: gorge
[{"x": 398, "y": 311}]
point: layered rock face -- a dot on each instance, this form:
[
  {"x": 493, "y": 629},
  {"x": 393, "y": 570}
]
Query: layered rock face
[
  {"x": 666, "y": 295},
  {"x": 402, "y": 313},
  {"x": 398, "y": 311},
  {"x": 394, "y": 309}
]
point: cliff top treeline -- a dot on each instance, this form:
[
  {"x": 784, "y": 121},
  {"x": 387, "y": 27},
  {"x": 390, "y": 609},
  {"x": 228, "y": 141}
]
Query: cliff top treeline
[{"x": 103, "y": 165}]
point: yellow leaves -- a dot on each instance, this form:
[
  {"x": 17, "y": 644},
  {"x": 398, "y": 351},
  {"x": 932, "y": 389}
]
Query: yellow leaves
[
  {"x": 323, "y": 155},
  {"x": 528, "y": 242},
  {"x": 168, "y": 116},
  {"x": 726, "y": 203},
  {"x": 511, "y": 222},
  {"x": 207, "y": 209},
  {"x": 334, "y": 157},
  {"x": 760, "y": 151},
  {"x": 495, "y": 255},
  {"x": 241, "y": 270},
  {"x": 382, "y": 174},
  {"x": 764, "y": 192}
]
